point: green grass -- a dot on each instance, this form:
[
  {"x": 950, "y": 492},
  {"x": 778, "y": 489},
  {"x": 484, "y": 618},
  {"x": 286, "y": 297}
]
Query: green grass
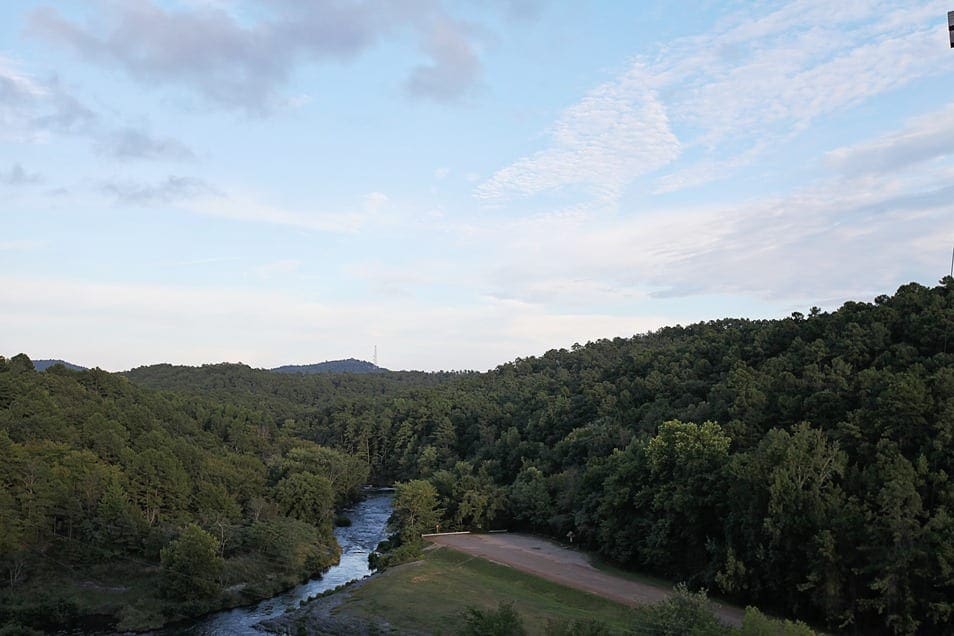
[{"x": 432, "y": 595}]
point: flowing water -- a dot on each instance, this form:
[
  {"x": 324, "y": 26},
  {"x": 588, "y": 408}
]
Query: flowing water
[{"x": 368, "y": 528}]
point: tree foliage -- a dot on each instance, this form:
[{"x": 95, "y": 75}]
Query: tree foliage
[
  {"x": 800, "y": 464},
  {"x": 95, "y": 470},
  {"x": 415, "y": 509},
  {"x": 191, "y": 565}
]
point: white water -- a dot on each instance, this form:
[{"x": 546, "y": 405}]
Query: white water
[{"x": 368, "y": 528}]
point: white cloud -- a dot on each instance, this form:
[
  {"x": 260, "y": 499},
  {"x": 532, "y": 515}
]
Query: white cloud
[
  {"x": 375, "y": 202},
  {"x": 562, "y": 330},
  {"x": 840, "y": 238},
  {"x": 562, "y": 289},
  {"x": 132, "y": 143},
  {"x": 278, "y": 269},
  {"x": 618, "y": 132},
  {"x": 709, "y": 105},
  {"x": 31, "y": 110},
  {"x": 18, "y": 86},
  {"x": 247, "y": 207},
  {"x": 169, "y": 190},
  {"x": 755, "y": 85},
  {"x": 924, "y": 138},
  {"x": 17, "y": 176}
]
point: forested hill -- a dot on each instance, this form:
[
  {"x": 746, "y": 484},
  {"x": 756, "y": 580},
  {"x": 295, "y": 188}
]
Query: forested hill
[
  {"x": 43, "y": 365},
  {"x": 351, "y": 365},
  {"x": 801, "y": 464},
  {"x": 234, "y": 380},
  {"x": 124, "y": 508}
]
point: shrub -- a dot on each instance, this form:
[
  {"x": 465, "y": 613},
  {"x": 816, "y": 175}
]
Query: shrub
[{"x": 504, "y": 621}]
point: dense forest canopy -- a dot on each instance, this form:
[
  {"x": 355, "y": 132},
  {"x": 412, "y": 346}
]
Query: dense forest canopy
[
  {"x": 183, "y": 503},
  {"x": 800, "y": 464}
]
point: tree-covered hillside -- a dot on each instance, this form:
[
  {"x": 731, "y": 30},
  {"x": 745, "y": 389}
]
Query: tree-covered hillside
[
  {"x": 801, "y": 464},
  {"x": 351, "y": 365},
  {"x": 343, "y": 410},
  {"x": 124, "y": 507},
  {"x": 43, "y": 365}
]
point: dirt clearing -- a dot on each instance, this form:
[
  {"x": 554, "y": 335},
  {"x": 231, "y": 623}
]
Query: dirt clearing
[{"x": 567, "y": 567}]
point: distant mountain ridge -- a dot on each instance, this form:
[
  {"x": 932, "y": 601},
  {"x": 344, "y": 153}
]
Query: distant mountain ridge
[
  {"x": 351, "y": 365},
  {"x": 43, "y": 365}
]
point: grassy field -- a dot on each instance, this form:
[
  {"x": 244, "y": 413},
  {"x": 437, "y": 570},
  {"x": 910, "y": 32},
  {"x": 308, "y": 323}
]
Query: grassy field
[{"x": 432, "y": 596}]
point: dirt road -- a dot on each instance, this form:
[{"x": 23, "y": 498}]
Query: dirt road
[{"x": 566, "y": 567}]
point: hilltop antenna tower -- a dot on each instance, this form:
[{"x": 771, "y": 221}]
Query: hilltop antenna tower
[{"x": 375, "y": 355}]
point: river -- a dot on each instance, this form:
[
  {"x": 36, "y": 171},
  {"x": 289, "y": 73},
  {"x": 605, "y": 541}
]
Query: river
[{"x": 368, "y": 528}]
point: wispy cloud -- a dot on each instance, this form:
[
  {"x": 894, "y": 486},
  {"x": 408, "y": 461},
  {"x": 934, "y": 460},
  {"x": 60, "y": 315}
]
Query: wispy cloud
[
  {"x": 134, "y": 143},
  {"x": 17, "y": 176},
  {"x": 170, "y": 190},
  {"x": 706, "y": 106},
  {"x": 211, "y": 260},
  {"x": 243, "y": 63},
  {"x": 853, "y": 234},
  {"x": 198, "y": 196},
  {"x": 278, "y": 269},
  {"x": 33, "y": 110},
  {"x": 375, "y": 202},
  {"x": 924, "y": 138},
  {"x": 419, "y": 276},
  {"x": 618, "y": 132},
  {"x": 246, "y": 207},
  {"x": 454, "y": 65},
  {"x": 752, "y": 85}
]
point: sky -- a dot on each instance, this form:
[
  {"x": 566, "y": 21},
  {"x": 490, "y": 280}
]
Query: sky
[{"x": 457, "y": 183}]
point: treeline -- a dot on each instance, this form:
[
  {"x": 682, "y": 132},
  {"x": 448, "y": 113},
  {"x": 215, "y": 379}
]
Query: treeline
[{"x": 124, "y": 508}]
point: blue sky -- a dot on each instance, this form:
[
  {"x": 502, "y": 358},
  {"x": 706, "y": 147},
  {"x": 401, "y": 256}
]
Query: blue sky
[{"x": 461, "y": 183}]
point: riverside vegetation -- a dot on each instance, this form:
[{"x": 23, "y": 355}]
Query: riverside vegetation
[{"x": 802, "y": 465}]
